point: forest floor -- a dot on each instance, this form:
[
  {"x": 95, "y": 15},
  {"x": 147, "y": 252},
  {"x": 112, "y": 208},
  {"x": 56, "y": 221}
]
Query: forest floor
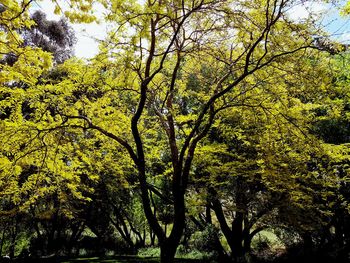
[
  {"x": 118, "y": 259},
  {"x": 127, "y": 259}
]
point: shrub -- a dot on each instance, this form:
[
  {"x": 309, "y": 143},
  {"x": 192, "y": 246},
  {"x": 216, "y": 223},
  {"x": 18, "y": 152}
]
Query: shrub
[
  {"x": 149, "y": 252},
  {"x": 205, "y": 240}
]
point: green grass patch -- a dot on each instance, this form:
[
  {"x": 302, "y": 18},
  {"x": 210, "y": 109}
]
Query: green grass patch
[{"x": 125, "y": 259}]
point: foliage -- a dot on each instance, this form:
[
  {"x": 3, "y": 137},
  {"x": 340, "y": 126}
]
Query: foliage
[
  {"x": 190, "y": 107},
  {"x": 149, "y": 252}
]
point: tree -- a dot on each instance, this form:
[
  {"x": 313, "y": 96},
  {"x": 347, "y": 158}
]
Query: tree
[
  {"x": 254, "y": 160},
  {"x": 331, "y": 125},
  {"x": 26, "y": 185},
  {"x": 151, "y": 86},
  {"x": 56, "y": 37}
]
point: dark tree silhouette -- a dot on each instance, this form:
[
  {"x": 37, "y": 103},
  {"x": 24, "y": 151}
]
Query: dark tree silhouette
[{"x": 56, "y": 37}]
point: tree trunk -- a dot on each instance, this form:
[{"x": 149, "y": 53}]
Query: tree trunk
[
  {"x": 2, "y": 239},
  {"x": 152, "y": 237},
  {"x": 167, "y": 251},
  {"x": 168, "y": 245},
  {"x": 77, "y": 231},
  {"x": 208, "y": 218},
  {"x": 13, "y": 241},
  {"x": 237, "y": 236},
  {"x": 247, "y": 243},
  {"x": 234, "y": 236}
]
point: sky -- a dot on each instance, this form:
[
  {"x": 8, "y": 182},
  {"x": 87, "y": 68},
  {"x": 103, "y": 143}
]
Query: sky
[
  {"x": 337, "y": 25},
  {"x": 87, "y": 47}
]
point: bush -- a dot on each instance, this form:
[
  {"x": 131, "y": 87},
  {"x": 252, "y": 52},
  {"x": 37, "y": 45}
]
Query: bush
[
  {"x": 181, "y": 252},
  {"x": 205, "y": 240},
  {"x": 149, "y": 252},
  {"x": 194, "y": 254}
]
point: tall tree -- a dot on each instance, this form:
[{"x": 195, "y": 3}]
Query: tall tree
[{"x": 163, "y": 74}]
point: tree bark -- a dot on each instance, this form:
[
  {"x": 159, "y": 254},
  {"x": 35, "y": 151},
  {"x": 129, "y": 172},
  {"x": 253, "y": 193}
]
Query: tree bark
[
  {"x": 2, "y": 239},
  {"x": 233, "y": 235},
  {"x": 168, "y": 250},
  {"x": 237, "y": 235},
  {"x": 13, "y": 239},
  {"x": 152, "y": 237}
]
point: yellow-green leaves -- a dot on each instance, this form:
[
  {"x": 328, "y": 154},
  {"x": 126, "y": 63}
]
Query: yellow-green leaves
[{"x": 29, "y": 62}]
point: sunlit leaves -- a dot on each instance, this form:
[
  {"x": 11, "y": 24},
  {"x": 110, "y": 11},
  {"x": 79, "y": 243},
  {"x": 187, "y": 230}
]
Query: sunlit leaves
[{"x": 236, "y": 77}]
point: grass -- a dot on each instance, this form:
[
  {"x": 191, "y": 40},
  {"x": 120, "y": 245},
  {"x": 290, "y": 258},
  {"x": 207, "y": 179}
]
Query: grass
[
  {"x": 116, "y": 259},
  {"x": 121, "y": 259},
  {"x": 182, "y": 254},
  {"x": 124, "y": 259}
]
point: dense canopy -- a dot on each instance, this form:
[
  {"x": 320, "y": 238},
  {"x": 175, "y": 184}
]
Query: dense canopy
[{"x": 212, "y": 129}]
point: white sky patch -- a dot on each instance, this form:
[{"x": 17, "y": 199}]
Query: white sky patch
[
  {"x": 304, "y": 10},
  {"x": 328, "y": 17},
  {"x": 86, "y": 34},
  {"x": 344, "y": 37}
]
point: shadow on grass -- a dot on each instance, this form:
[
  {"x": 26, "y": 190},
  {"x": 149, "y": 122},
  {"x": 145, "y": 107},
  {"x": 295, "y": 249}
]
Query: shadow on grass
[
  {"x": 117, "y": 259},
  {"x": 126, "y": 259},
  {"x": 120, "y": 259}
]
